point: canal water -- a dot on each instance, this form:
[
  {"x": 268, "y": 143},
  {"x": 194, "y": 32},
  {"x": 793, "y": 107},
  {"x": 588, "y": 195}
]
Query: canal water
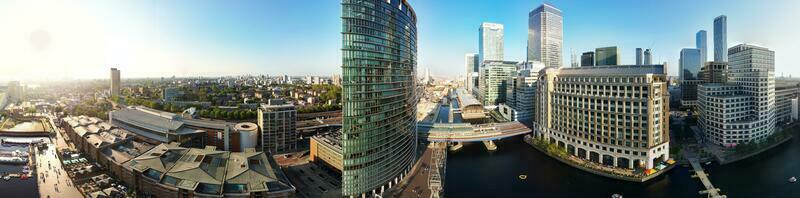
[
  {"x": 16, "y": 187},
  {"x": 473, "y": 171}
]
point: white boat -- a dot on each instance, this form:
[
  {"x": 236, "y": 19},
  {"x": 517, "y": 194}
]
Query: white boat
[
  {"x": 616, "y": 196},
  {"x": 7, "y": 178},
  {"x": 792, "y": 179}
]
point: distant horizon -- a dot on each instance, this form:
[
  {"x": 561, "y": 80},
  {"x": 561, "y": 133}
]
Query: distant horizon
[{"x": 67, "y": 41}]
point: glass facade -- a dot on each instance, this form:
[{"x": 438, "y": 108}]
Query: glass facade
[
  {"x": 701, "y": 43},
  {"x": 545, "y": 35},
  {"x": 490, "y": 42},
  {"x": 495, "y": 78},
  {"x": 379, "y": 58},
  {"x": 606, "y": 56},
  {"x": 721, "y": 38}
]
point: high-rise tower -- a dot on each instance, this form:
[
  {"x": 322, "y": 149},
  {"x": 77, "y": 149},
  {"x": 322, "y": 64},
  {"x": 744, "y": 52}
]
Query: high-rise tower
[
  {"x": 115, "y": 90},
  {"x": 490, "y": 42},
  {"x": 378, "y": 99},
  {"x": 721, "y": 38},
  {"x": 545, "y": 35},
  {"x": 701, "y": 43},
  {"x": 639, "y": 56}
]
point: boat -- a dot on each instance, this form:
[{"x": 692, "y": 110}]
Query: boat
[
  {"x": 707, "y": 163},
  {"x": 792, "y": 179},
  {"x": 523, "y": 177},
  {"x": 7, "y": 178},
  {"x": 615, "y": 195}
]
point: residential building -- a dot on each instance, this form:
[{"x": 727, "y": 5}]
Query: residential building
[
  {"x": 490, "y": 42},
  {"x": 613, "y": 115},
  {"x": 495, "y": 78},
  {"x": 701, "y": 43},
  {"x": 277, "y": 121},
  {"x": 378, "y": 112},
  {"x": 743, "y": 109},
  {"x": 545, "y": 35},
  {"x": 688, "y": 75},
  {"x": 115, "y": 86},
  {"x": 606, "y": 56},
  {"x": 721, "y": 39},
  {"x": 587, "y": 59}
]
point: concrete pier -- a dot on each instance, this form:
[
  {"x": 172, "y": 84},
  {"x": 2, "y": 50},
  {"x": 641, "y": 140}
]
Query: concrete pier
[
  {"x": 490, "y": 145},
  {"x": 699, "y": 173},
  {"x": 455, "y": 146}
]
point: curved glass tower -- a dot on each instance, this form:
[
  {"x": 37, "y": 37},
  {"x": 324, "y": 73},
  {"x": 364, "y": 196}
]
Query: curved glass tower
[{"x": 379, "y": 58}]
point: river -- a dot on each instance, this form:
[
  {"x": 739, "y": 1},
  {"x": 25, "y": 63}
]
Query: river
[
  {"x": 475, "y": 172},
  {"x": 17, "y": 187}
]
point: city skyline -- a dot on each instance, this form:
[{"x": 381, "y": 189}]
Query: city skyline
[{"x": 162, "y": 39}]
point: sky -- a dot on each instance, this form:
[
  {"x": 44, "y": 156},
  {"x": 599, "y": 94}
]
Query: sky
[{"x": 55, "y": 40}]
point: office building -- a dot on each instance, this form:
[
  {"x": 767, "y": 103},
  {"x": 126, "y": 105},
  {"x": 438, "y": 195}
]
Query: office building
[
  {"x": 171, "y": 94},
  {"x": 701, "y": 43},
  {"x": 587, "y": 59},
  {"x": 326, "y": 149},
  {"x": 115, "y": 86},
  {"x": 743, "y": 109},
  {"x": 639, "y": 58},
  {"x": 783, "y": 102},
  {"x": 606, "y": 56},
  {"x": 714, "y": 72},
  {"x": 521, "y": 95},
  {"x": 613, "y": 115},
  {"x": 472, "y": 64},
  {"x": 688, "y": 75},
  {"x": 648, "y": 57},
  {"x": 545, "y": 35},
  {"x": 14, "y": 91},
  {"x": 277, "y": 121},
  {"x": 490, "y": 42},
  {"x": 379, "y": 125},
  {"x": 721, "y": 39},
  {"x": 495, "y": 78}
]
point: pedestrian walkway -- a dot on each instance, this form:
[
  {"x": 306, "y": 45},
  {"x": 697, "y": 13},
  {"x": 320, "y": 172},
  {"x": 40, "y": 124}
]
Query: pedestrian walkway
[
  {"x": 699, "y": 173},
  {"x": 52, "y": 178}
]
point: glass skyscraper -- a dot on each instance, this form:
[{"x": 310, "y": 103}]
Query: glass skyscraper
[
  {"x": 689, "y": 67},
  {"x": 490, "y": 42},
  {"x": 545, "y": 35},
  {"x": 379, "y": 58},
  {"x": 721, "y": 38},
  {"x": 701, "y": 43},
  {"x": 606, "y": 56}
]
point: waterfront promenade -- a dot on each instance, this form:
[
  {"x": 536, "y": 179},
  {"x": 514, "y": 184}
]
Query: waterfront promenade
[{"x": 52, "y": 178}]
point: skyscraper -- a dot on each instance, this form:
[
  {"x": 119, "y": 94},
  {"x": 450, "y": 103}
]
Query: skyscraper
[
  {"x": 545, "y": 35},
  {"x": 639, "y": 56},
  {"x": 606, "y": 56},
  {"x": 721, "y": 38},
  {"x": 472, "y": 64},
  {"x": 648, "y": 57},
  {"x": 743, "y": 109},
  {"x": 490, "y": 42},
  {"x": 587, "y": 59},
  {"x": 688, "y": 74},
  {"x": 114, "y": 82},
  {"x": 702, "y": 44},
  {"x": 378, "y": 98}
]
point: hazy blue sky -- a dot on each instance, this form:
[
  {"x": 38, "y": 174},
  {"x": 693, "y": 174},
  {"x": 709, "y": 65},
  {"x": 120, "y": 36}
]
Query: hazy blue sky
[{"x": 82, "y": 39}]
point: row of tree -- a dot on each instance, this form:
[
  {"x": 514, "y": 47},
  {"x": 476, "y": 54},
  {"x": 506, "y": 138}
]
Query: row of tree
[{"x": 228, "y": 114}]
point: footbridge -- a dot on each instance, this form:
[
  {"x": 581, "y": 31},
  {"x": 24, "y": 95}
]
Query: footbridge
[{"x": 465, "y": 132}]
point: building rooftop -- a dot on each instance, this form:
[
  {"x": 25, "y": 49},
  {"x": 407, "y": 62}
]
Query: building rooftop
[
  {"x": 614, "y": 69},
  {"x": 333, "y": 139},
  {"x": 211, "y": 172}
]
